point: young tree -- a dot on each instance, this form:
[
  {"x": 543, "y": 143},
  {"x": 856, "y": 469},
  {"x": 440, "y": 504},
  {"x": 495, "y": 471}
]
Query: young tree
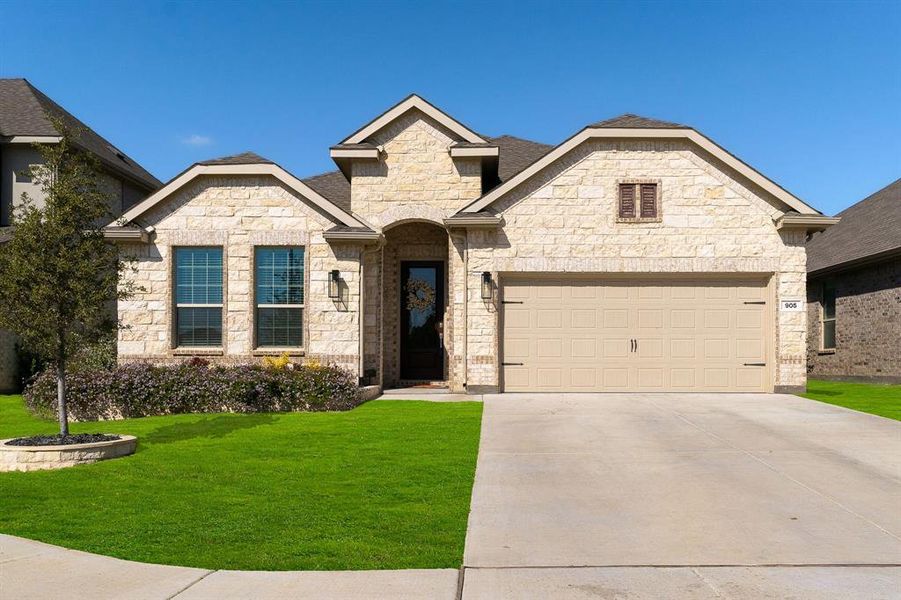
[{"x": 57, "y": 273}]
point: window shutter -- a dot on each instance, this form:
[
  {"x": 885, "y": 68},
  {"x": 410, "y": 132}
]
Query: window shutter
[
  {"x": 626, "y": 201},
  {"x": 648, "y": 200}
]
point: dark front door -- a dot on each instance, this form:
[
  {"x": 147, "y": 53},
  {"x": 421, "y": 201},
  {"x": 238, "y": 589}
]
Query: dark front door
[{"x": 422, "y": 320}]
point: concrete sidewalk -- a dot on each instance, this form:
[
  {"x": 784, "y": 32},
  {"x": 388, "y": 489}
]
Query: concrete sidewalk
[
  {"x": 35, "y": 571},
  {"x": 32, "y": 570}
]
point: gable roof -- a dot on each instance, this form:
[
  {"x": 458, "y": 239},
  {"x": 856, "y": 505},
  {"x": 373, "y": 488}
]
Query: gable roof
[
  {"x": 514, "y": 154},
  {"x": 247, "y": 163},
  {"x": 635, "y": 127},
  {"x": 412, "y": 102},
  {"x": 23, "y": 113},
  {"x": 867, "y": 230}
]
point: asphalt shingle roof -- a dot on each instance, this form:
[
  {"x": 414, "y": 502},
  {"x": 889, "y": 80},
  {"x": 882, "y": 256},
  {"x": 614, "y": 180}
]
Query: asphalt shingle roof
[
  {"x": 630, "y": 121},
  {"x": 870, "y": 227},
  {"x": 245, "y": 158},
  {"x": 332, "y": 185},
  {"x": 24, "y": 110},
  {"x": 515, "y": 154}
]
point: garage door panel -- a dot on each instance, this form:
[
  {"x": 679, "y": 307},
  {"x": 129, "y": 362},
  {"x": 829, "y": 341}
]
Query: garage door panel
[
  {"x": 616, "y": 318},
  {"x": 550, "y": 348},
  {"x": 584, "y": 348},
  {"x": 584, "y": 318},
  {"x": 549, "y": 318},
  {"x": 578, "y": 335},
  {"x": 615, "y": 347},
  {"x": 650, "y": 348}
]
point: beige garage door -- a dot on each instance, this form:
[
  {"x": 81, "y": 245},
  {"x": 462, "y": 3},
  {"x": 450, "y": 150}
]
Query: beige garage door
[{"x": 619, "y": 335}]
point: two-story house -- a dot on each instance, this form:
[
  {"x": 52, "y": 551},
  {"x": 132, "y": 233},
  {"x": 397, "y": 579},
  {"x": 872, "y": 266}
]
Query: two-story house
[{"x": 25, "y": 120}]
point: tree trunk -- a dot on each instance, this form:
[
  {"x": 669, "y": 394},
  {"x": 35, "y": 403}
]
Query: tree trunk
[{"x": 61, "y": 391}]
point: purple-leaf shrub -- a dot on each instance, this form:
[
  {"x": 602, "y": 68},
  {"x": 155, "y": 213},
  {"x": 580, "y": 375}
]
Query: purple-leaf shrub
[{"x": 141, "y": 390}]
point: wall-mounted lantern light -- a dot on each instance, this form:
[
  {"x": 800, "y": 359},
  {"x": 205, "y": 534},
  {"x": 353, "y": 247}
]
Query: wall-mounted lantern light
[
  {"x": 486, "y": 286},
  {"x": 333, "y": 278}
]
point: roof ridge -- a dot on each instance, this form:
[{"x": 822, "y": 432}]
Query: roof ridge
[{"x": 635, "y": 121}]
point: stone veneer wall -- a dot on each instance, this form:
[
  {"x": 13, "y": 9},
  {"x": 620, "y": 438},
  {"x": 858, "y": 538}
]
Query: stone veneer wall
[
  {"x": 565, "y": 220},
  {"x": 239, "y": 213},
  {"x": 415, "y": 180},
  {"x": 9, "y": 364},
  {"x": 867, "y": 326}
]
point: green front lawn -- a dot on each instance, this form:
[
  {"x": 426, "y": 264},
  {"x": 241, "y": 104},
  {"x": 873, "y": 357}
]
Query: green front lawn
[
  {"x": 384, "y": 486},
  {"x": 882, "y": 400}
]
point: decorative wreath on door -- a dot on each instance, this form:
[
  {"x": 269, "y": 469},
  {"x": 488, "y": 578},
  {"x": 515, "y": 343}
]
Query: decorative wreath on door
[{"x": 420, "y": 295}]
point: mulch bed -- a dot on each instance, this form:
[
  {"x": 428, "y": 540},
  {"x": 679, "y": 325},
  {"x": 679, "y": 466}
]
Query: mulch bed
[{"x": 62, "y": 440}]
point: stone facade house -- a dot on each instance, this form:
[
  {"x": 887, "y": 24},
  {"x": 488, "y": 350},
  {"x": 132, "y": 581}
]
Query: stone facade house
[
  {"x": 854, "y": 292},
  {"x": 636, "y": 255},
  {"x": 24, "y": 121}
]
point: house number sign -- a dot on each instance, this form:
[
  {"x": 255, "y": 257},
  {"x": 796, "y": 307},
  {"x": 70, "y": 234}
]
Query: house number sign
[{"x": 791, "y": 306}]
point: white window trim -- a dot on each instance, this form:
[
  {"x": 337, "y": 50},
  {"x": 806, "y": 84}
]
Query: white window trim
[
  {"x": 824, "y": 320},
  {"x": 178, "y": 348},
  {"x": 257, "y": 348}
]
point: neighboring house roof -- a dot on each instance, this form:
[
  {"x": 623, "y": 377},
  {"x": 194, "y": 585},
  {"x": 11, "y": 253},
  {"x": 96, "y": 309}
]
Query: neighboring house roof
[
  {"x": 23, "y": 113},
  {"x": 635, "y": 127},
  {"x": 247, "y": 163},
  {"x": 6, "y": 234},
  {"x": 869, "y": 230}
]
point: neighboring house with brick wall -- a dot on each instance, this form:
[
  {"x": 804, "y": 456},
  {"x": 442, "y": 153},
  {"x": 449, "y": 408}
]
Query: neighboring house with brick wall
[
  {"x": 854, "y": 292},
  {"x": 24, "y": 122},
  {"x": 637, "y": 255}
]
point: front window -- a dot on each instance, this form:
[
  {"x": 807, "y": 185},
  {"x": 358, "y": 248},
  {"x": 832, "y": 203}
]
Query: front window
[
  {"x": 279, "y": 297},
  {"x": 198, "y": 297},
  {"x": 828, "y": 316}
]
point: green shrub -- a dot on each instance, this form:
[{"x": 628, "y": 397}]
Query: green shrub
[{"x": 141, "y": 389}]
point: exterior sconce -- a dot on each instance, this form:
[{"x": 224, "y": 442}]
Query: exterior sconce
[
  {"x": 333, "y": 278},
  {"x": 486, "y": 286}
]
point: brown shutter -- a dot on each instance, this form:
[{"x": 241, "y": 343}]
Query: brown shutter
[
  {"x": 626, "y": 201},
  {"x": 648, "y": 200}
]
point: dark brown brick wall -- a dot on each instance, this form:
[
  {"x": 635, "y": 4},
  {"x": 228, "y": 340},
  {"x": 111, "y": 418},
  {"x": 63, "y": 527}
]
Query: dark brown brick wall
[{"x": 868, "y": 324}]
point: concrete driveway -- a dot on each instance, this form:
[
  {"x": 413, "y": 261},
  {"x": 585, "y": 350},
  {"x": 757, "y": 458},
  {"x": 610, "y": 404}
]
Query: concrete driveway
[{"x": 697, "y": 481}]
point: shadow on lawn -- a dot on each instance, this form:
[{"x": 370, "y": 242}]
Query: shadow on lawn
[{"x": 208, "y": 427}]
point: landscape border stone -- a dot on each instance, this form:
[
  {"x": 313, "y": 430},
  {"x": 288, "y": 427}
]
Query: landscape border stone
[{"x": 39, "y": 458}]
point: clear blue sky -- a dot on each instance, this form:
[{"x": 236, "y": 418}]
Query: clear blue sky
[{"x": 808, "y": 93}]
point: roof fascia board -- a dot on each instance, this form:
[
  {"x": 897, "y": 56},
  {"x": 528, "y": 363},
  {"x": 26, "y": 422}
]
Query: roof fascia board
[
  {"x": 364, "y": 153},
  {"x": 126, "y": 234},
  {"x": 422, "y": 105},
  {"x": 472, "y": 221},
  {"x": 352, "y": 236},
  {"x": 251, "y": 169},
  {"x": 806, "y": 222},
  {"x": 33, "y": 139},
  {"x": 628, "y": 133},
  {"x": 486, "y": 152}
]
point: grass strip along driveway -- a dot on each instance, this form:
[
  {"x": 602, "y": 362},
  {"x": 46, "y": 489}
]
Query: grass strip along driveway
[
  {"x": 882, "y": 400},
  {"x": 384, "y": 486}
]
